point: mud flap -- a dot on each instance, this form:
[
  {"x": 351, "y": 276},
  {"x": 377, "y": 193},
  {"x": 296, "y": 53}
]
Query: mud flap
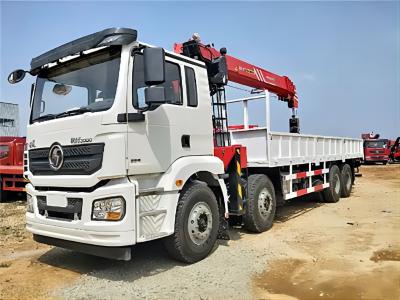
[{"x": 223, "y": 230}]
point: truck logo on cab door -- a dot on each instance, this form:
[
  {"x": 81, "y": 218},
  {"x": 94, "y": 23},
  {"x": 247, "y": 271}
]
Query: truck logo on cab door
[{"x": 56, "y": 157}]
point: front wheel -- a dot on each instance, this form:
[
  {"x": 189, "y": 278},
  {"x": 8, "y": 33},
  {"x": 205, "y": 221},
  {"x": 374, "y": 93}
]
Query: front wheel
[
  {"x": 196, "y": 224},
  {"x": 333, "y": 192}
]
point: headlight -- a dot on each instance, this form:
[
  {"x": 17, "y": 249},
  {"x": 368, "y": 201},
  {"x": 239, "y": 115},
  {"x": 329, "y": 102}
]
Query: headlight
[
  {"x": 109, "y": 209},
  {"x": 29, "y": 203}
]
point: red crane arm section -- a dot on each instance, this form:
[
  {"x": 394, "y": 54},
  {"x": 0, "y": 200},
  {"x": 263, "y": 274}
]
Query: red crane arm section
[{"x": 250, "y": 75}]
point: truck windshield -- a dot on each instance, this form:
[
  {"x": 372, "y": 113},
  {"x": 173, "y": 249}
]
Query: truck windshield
[
  {"x": 85, "y": 84},
  {"x": 375, "y": 144}
]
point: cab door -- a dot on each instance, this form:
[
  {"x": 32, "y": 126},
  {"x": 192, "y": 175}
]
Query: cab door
[{"x": 168, "y": 131}]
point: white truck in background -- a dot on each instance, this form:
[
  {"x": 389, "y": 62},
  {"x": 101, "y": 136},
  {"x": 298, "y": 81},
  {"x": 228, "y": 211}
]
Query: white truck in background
[{"x": 128, "y": 143}]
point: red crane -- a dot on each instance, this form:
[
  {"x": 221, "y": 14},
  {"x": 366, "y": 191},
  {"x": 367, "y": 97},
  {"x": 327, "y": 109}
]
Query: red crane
[
  {"x": 221, "y": 68},
  {"x": 245, "y": 73}
]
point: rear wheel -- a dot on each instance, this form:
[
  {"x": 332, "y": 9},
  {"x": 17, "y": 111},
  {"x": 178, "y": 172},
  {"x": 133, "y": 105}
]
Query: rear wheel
[
  {"x": 346, "y": 180},
  {"x": 317, "y": 196},
  {"x": 261, "y": 204},
  {"x": 385, "y": 162},
  {"x": 332, "y": 193},
  {"x": 196, "y": 224}
]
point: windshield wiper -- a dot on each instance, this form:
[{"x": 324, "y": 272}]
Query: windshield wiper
[
  {"x": 72, "y": 112},
  {"x": 45, "y": 117}
]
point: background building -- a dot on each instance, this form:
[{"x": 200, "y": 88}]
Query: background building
[{"x": 9, "y": 119}]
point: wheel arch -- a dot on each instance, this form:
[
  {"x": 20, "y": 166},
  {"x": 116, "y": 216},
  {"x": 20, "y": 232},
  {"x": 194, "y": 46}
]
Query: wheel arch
[
  {"x": 184, "y": 168},
  {"x": 216, "y": 184},
  {"x": 201, "y": 168}
]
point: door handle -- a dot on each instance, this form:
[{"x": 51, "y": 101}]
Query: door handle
[{"x": 185, "y": 141}]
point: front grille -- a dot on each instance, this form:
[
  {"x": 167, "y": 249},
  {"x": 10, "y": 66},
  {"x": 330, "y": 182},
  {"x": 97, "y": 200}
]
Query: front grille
[
  {"x": 377, "y": 151},
  {"x": 73, "y": 211},
  {"x": 78, "y": 160}
]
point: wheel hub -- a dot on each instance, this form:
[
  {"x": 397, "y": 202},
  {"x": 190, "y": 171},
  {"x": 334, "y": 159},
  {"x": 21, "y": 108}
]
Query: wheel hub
[
  {"x": 264, "y": 203},
  {"x": 348, "y": 182},
  {"x": 200, "y": 223},
  {"x": 337, "y": 184}
]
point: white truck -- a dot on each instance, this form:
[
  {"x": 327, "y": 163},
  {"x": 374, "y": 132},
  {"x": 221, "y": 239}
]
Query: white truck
[{"x": 128, "y": 143}]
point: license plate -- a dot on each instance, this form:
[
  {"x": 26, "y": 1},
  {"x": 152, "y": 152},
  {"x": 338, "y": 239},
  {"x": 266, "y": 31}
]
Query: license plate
[{"x": 56, "y": 200}]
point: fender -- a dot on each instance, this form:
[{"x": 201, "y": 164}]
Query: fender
[{"x": 184, "y": 167}]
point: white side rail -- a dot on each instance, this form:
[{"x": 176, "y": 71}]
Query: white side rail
[{"x": 272, "y": 149}]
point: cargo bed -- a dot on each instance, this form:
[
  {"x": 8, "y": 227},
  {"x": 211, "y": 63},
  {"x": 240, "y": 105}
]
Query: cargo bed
[{"x": 276, "y": 149}]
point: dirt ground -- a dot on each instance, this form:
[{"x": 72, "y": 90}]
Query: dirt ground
[{"x": 345, "y": 250}]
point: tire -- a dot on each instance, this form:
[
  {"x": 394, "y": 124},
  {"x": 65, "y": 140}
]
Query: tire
[
  {"x": 2, "y": 193},
  {"x": 346, "y": 181},
  {"x": 317, "y": 196},
  {"x": 261, "y": 204},
  {"x": 332, "y": 193},
  {"x": 384, "y": 163},
  {"x": 196, "y": 224}
]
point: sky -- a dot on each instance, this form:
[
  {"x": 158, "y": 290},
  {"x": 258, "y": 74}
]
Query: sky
[{"x": 344, "y": 57}]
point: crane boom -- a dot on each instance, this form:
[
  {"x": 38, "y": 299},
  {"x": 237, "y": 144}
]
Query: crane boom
[{"x": 244, "y": 73}]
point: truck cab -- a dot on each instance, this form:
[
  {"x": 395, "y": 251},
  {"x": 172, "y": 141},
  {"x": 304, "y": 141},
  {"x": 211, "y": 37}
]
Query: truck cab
[
  {"x": 376, "y": 150},
  {"x": 116, "y": 130}
]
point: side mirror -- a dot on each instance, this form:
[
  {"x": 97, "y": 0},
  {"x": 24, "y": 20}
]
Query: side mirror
[
  {"x": 154, "y": 65},
  {"x": 16, "y": 76},
  {"x": 154, "y": 95}
]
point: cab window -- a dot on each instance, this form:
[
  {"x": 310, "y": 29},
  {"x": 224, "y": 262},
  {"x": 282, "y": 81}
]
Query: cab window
[
  {"x": 191, "y": 88},
  {"x": 172, "y": 84}
]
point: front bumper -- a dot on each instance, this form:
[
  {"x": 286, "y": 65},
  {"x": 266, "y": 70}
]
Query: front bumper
[
  {"x": 119, "y": 253},
  {"x": 376, "y": 158},
  {"x": 84, "y": 230}
]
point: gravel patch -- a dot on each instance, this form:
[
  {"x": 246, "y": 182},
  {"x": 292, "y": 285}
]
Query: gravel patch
[{"x": 153, "y": 275}]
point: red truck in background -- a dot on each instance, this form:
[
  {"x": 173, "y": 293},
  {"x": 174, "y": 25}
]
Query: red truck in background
[
  {"x": 375, "y": 149},
  {"x": 11, "y": 165},
  {"x": 394, "y": 149}
]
